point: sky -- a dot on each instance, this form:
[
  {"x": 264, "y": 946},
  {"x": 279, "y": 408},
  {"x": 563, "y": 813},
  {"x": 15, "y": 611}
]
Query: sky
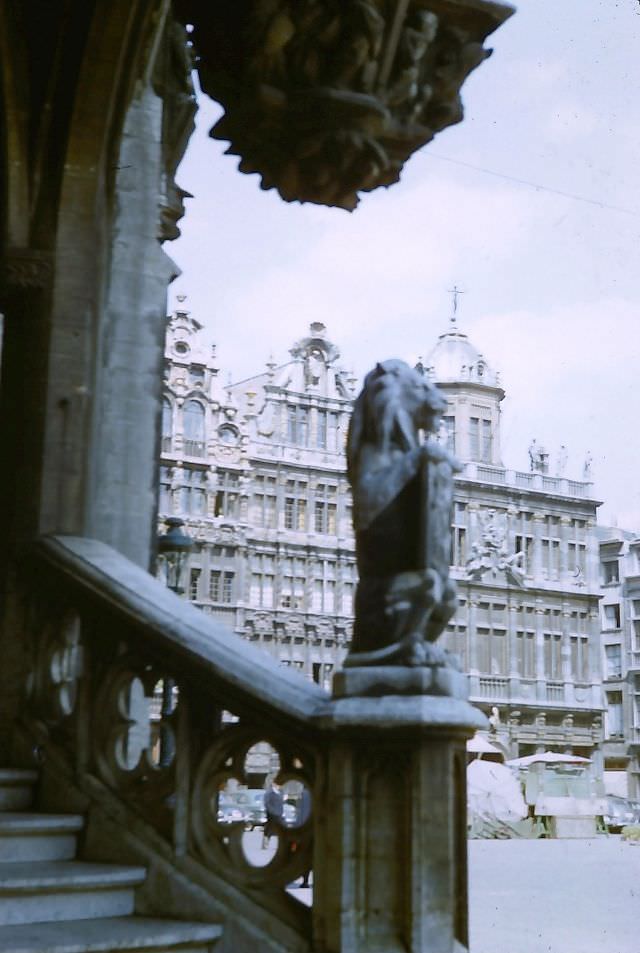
[{"x": 530, "y": 206}]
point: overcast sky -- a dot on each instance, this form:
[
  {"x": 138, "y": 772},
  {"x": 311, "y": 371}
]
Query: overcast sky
[{"x": 550, "y": 280}]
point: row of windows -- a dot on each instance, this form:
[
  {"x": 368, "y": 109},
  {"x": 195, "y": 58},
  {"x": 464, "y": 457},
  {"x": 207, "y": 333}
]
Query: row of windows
[
  {"x": 325, "y": 436},
  {"x": 292, "y": 592},
  {"x": 480, "y": 437},
  {"x": 296, "y": 592},
  {"x": 492, "y": 650},
  {"x": 221, "y": 586},
  {"x": 304, "y": 509}
]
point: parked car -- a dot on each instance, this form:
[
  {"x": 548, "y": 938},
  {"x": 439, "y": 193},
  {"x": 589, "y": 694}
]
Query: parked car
[
  {"x": 620, "y": 812},
  {"x": 251, "y": 803},
  {"x": 228, "y": 810}
]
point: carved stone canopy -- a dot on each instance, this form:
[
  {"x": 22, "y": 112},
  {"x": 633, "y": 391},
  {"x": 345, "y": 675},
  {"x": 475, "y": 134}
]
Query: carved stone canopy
[{"x": 328, "y": 98}]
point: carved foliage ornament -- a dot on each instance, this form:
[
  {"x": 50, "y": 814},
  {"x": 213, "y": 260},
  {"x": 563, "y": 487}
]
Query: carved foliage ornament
[
  {"x": 326, "y": 98},
  {"x": 490, "y": 554}
]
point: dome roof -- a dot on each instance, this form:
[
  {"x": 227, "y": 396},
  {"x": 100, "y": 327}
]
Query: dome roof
[{"x": 455, "y": 359}]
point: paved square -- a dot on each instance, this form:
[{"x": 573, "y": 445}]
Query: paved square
[{"x": 554, "y": 896}]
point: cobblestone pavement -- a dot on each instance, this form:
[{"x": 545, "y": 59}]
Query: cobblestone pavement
[{"x": 554, "y": 896}]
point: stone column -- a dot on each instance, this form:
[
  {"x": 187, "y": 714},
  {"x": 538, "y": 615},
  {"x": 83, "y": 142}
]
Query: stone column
[
  {"x": 536, "y": 558},
  {"x": 390, "y": 826},
  {"x": 541, "y": 678},
  {"x": 592, "y": 556},
  {"x": 472, "y": 646},
  {"x": 565, "y": 532},
  {"x": 567, "y": 673},
  {"x": 512, "y": 633}
]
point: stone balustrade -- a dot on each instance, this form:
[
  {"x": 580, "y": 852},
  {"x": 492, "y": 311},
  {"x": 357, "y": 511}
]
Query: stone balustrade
[
  {"x": 153, "y": 714},
  {"x": 500, "y": 476},
  {"x": 147, "y": 701}
]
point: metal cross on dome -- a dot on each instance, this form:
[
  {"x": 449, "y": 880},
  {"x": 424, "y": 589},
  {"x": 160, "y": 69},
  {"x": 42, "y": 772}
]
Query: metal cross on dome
[{"x": 455, "y": 291}]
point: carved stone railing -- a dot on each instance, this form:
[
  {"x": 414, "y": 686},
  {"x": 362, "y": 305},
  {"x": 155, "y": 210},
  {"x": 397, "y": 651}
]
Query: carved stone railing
[
  {"x": 139, "y": 692},
  {"x": 499, "y": 476}
]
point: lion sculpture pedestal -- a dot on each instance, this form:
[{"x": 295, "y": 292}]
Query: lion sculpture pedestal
[{"x": 394, "y": 788}]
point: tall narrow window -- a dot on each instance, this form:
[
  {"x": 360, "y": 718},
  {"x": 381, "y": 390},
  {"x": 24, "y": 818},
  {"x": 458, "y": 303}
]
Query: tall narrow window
[
  {"x": 164, "y": 500},
  {"x": 194, "y": 584},
  {"x": 611, "y": 616},
  {"x": 613, "y": 654},
  {"x": 321, "y": 432},
  {"x": 297, "y": 425},
  {"x": 474, "y": 437},
  {"x": 227, "y": 497},
  {"x": 486, "y": 442},
  {"x": 580, "y": 657},
  {"x": 295, "y": 506},
  {"x": 552, "y": 656},
  {"x": 167, "y": 426},
  {"x": 193, "y": 428},
  {"x": 325, "y": 509},
  {"x": 614, "y": 713},
  {"x": 449, "y": 424}
]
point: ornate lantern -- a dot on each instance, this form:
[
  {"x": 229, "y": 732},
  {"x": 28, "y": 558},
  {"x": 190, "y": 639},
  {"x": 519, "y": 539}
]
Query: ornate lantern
[
  {"x": 326, "y": 98},
  {"x": 173, "y": 550}
]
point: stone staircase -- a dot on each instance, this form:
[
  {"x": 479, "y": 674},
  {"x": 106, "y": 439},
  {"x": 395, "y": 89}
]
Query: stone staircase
[{"x": 50, "y": 902}]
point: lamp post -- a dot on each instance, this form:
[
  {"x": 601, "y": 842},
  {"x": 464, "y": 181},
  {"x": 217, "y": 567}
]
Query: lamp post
[{"x": 174, "y": 548}]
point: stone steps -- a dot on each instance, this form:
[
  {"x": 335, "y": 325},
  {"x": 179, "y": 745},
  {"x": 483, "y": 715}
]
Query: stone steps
[
  {"x": 26, "y": 836},
  {"x": 16, "y": 788},
  {"x": 40, "y": 891},
  {"x": 108, "y": 936},
  {"x": 51, "y": 902}
]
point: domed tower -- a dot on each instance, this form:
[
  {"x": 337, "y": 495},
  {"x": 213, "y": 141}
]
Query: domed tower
[{"x": 471, "y": 423}]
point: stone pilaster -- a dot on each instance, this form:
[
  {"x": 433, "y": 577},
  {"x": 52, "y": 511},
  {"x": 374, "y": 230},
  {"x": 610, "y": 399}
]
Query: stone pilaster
[
  {"x": 541, "y": 679},
  {"x": 565, "y": 533},
  {"x": 390, "y": 834},
  {"x": 536, "y": 559}
]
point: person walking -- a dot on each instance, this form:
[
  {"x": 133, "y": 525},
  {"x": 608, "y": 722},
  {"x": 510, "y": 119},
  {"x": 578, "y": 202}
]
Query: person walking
[{"x": 274, "y": 809}]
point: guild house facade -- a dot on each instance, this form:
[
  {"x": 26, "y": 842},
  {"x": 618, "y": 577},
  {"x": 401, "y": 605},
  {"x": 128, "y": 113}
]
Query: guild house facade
[{"x": 257, "y": 471}]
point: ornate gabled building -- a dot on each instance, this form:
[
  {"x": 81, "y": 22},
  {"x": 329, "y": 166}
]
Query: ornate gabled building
[
  {"x": 525, "y": 557},
  {"x": 260, "y": 481},
  {"x": 620, "y": 639},
  {"x": 257, "y": 472}
]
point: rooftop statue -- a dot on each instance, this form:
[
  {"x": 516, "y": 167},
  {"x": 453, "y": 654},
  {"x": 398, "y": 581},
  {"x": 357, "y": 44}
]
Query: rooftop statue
[{"x": 402, "y": 482}]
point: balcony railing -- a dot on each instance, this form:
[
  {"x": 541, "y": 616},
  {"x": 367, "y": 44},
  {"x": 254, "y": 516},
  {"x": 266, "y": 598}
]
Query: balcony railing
[
  {"x": 194, "y": 448},
  {"x": 555, "y": 691},
  {"x": 499, "y": 476},
  {"x": 494, "y": 686}
]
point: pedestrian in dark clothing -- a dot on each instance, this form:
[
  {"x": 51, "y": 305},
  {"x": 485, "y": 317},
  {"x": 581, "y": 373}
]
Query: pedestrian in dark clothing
[
  {"x": 303, "y": 814},
  {"x": 274, "y": 809}
]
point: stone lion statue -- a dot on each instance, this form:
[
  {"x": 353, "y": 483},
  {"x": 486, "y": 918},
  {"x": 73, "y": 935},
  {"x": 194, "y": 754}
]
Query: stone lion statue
[{"x": 402, "y": 483}]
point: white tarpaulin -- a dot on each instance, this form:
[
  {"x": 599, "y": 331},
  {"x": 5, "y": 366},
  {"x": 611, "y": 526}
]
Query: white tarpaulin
[
  {"x": 479, "y": 745},
  {"x": 548, "y": 757},
  {"x": 493, "y": 791}
]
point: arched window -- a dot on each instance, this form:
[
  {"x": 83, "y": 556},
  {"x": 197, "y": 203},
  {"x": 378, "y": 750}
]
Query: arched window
[
  {"x": 167, "y": 425},
  {"x": 194, "y": 428}
]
